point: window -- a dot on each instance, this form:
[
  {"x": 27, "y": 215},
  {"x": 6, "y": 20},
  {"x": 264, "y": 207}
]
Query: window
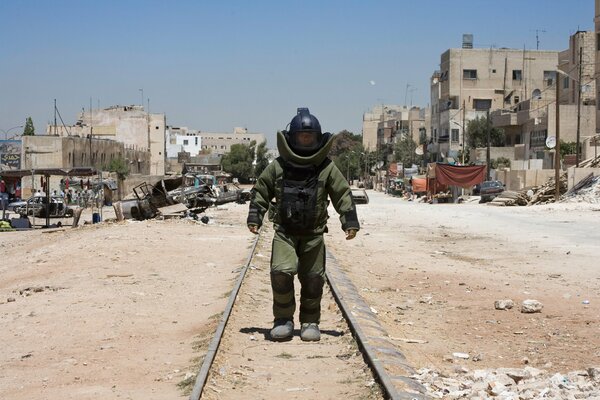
[
  {"x": 565, "y": 82},
  {"x": 538, "y": 138},
  {"x": 454, "y": 135},
  {"x": 469, "y": 74},
  {"x": 482, "y": 104},
  {"x": 156, "y": 127},
  {"x": 185, "y": 142},
  {"x": 549, "y": 77},
  {"x": 517, "y": 75},
  {"x": 517, "y": 99},
  {"x": 196, "y": 141}
]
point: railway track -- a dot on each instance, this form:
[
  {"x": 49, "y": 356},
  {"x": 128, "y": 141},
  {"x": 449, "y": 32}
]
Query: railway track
[{"x": 240, "y": 364}]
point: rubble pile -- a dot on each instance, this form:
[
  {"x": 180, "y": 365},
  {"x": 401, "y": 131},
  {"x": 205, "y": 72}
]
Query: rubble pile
[
  {"x": 589, "y": 193},
  {"x": 545, "y": 193},
  {"x": 593, "y": 162},
  {"x": 510, "y": 198},
  {"x": 511, "y": 383}
]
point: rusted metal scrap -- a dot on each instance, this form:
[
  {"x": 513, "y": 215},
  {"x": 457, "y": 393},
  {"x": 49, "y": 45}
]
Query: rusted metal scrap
[{"x": 195, "y": 193}]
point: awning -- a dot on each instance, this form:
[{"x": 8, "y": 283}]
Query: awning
[{"x": 79, "y": 171}]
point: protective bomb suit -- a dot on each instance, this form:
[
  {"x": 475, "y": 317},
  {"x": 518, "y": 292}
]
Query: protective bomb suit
[{"x": 300, "y": 182}]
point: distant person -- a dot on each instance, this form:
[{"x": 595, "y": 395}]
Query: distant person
[{"x": 301, "y": 180}]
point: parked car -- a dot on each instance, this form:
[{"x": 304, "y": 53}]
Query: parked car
[
  {"x": 490, "y": 189},
  {"x": 12, "y": 206},
  {"x": 36, "y": 206},
  {"x": 360, "y": 196}
]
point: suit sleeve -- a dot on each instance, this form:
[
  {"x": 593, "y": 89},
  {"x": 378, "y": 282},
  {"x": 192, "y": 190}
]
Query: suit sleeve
[
  {"x": 341, "y": 198},
  {"x": 261, "y": 195}
]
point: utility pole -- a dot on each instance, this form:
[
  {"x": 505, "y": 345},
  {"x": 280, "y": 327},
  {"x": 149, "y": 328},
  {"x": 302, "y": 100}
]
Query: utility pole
[
  {"x": 91, "y": 132},
  {"x": 577, "y": 152},
  {"x": 557, "y": 151},
  {"x": 488, "y": 133},
  {"x": 55, "y": 127},
  {"x": 464, "y": 149}
]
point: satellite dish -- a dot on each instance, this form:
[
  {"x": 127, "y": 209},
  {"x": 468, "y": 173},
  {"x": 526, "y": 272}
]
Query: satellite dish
[
  {"x": 419, "y": 151},
  {"x": 379, "y": 164},
  {"x": 551, "y": 142}
]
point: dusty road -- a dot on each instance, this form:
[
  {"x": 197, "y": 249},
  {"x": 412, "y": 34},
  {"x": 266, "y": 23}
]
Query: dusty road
[
  {"x": 126, "y": 310},
  {"x": 433, "y": 273}
]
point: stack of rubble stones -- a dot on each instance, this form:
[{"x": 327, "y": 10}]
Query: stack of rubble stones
[{"x": 511, "y": 383}]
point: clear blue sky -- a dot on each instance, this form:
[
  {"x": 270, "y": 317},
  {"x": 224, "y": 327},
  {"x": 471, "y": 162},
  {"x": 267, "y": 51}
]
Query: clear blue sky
[{"x": 214, "y": 65}]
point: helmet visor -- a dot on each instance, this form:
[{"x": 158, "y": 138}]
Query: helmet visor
[{"x": 304, "y": 142}]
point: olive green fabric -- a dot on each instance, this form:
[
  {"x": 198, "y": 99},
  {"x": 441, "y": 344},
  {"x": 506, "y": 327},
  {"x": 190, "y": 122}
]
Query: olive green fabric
[
  {"x": 332, "y": 185},
  {"x": 303, "y": 256},
  {"x": 288, "y": 154}
]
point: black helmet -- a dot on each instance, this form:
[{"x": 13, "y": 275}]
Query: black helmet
[{"x": 304, "y": 136}]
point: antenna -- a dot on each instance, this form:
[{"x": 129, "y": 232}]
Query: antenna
[{"x": 537, "y": 37}]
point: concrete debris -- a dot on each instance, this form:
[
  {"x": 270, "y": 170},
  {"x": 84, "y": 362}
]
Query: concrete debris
[
  {"x": 587, "y": 190},
  {"x": 504, "y": 304},
  {"x": 531, "y": 306},
  {"x": 509, "y": 383}
]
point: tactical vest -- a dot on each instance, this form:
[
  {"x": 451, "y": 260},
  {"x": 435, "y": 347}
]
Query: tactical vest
[{"x": 297, "y": 207}]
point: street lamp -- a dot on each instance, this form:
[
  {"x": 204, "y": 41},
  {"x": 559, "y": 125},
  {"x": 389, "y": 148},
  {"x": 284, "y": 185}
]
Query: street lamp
[{"x": 8, "y": 130}]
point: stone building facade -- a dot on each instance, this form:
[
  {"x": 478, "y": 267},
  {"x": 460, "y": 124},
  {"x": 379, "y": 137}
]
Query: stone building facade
[
  {"x": 473, "y": 81},
  {"x": 131, "y": 125}
]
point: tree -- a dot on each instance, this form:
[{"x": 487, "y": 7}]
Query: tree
[
  {"x": 120, "y": 167},
  {"x": 567, "y": 148},
  {"x": 345, "y": 141},
  {"x": 238, "y": 161},
  {"x": 346, "y": 151},
  {"x": 29, "y": 128},
  {"x": 477, "y": 133},
  {"x": 404, "y": 151},
  {"x": 261, "y": 159}
]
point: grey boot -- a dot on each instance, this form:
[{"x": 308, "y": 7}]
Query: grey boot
[
  {"x": 310, "y": 332},
  {"x": 282, "y": 329}
]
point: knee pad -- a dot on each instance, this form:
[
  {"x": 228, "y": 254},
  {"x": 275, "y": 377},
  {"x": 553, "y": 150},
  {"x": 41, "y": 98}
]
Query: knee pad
[
  {"x": 312, "y": 286},
  {"x": 281, "y": 282}
]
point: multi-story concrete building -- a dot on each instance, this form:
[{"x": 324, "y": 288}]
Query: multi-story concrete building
[
  {"x": 220, "y": 143},
  {"x": 131, "y": 125},
  {"x": 472, "y": 81},
  {"x": 528, "y": 124},
  {"x": 182, "y": 139},
  {"x": 382, "y": 124},
  {"x": 597, "y": 63}
]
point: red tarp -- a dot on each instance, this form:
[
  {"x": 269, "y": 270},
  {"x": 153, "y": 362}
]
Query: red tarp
[
  {"x": 463, "y": 176},
  {"x": 419, "y": 185}
]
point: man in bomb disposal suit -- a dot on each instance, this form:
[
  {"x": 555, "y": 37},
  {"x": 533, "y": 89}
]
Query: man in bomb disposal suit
[{"x": 300, "y": 180}]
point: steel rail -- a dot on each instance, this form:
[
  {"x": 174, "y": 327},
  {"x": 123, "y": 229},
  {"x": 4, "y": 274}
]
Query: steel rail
[
  {"x": 377, "y": 350},
  {"x": 373, "y": 355},
  {"x": 213, "y": 346}
]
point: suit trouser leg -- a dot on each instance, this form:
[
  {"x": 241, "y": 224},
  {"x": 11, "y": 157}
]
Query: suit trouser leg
[{"x": 305, "y": 256}]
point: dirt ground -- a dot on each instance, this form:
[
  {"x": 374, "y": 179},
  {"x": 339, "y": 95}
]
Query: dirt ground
[
  {"x": 114, "y": 310},
  {"x": 433, "y": 272},
  {"x": 126, "y": 310}
]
